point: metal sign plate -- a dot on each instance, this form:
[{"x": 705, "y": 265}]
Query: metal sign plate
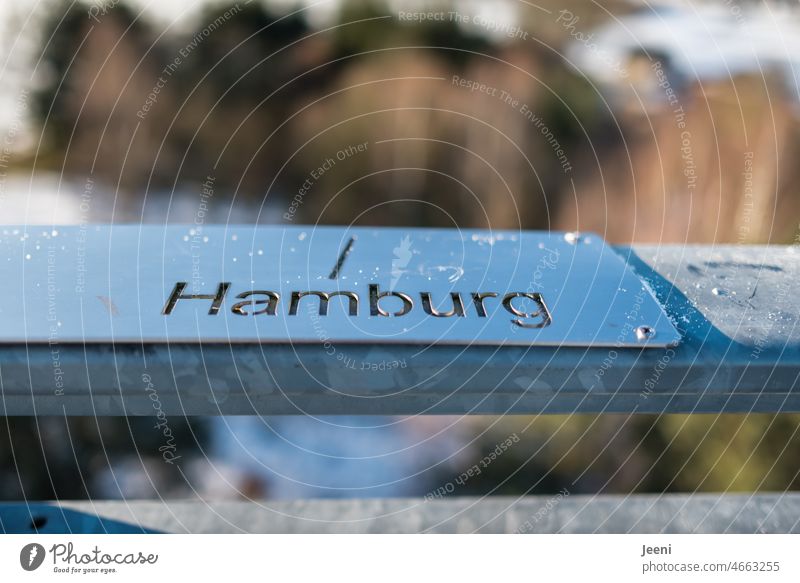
[{"x": 249, "y": 284}]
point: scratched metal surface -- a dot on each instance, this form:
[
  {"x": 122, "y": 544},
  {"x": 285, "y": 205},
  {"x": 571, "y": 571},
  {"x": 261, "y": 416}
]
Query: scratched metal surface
[
  {"x": 110, "y": 284},
  {"x": 734, "y": 306}
]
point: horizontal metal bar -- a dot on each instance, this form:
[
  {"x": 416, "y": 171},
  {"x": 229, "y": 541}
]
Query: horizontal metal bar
[
  {"x": 559, "y": 513},
  {"x": 736, "y": 309}
]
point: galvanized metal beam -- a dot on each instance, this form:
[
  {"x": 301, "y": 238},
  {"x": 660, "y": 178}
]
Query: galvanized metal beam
[
  {"x": 735, "y": 307},
  {"x": 559, "y": 513}
]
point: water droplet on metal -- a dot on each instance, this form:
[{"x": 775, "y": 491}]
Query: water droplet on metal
[{"x": 574, "y": 237}]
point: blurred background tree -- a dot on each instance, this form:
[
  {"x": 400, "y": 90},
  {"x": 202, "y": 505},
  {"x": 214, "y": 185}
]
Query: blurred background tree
[{"x": 261, "y": 95}]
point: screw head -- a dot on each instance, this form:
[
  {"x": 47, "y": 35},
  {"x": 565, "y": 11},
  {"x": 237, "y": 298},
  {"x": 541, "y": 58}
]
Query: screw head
[{"x": 644, "y": 333}]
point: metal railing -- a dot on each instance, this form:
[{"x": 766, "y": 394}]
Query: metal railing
[{"x": 735, "y": 307}]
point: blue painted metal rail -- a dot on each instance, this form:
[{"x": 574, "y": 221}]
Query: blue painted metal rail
[{"x": 736, "y": 309}]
